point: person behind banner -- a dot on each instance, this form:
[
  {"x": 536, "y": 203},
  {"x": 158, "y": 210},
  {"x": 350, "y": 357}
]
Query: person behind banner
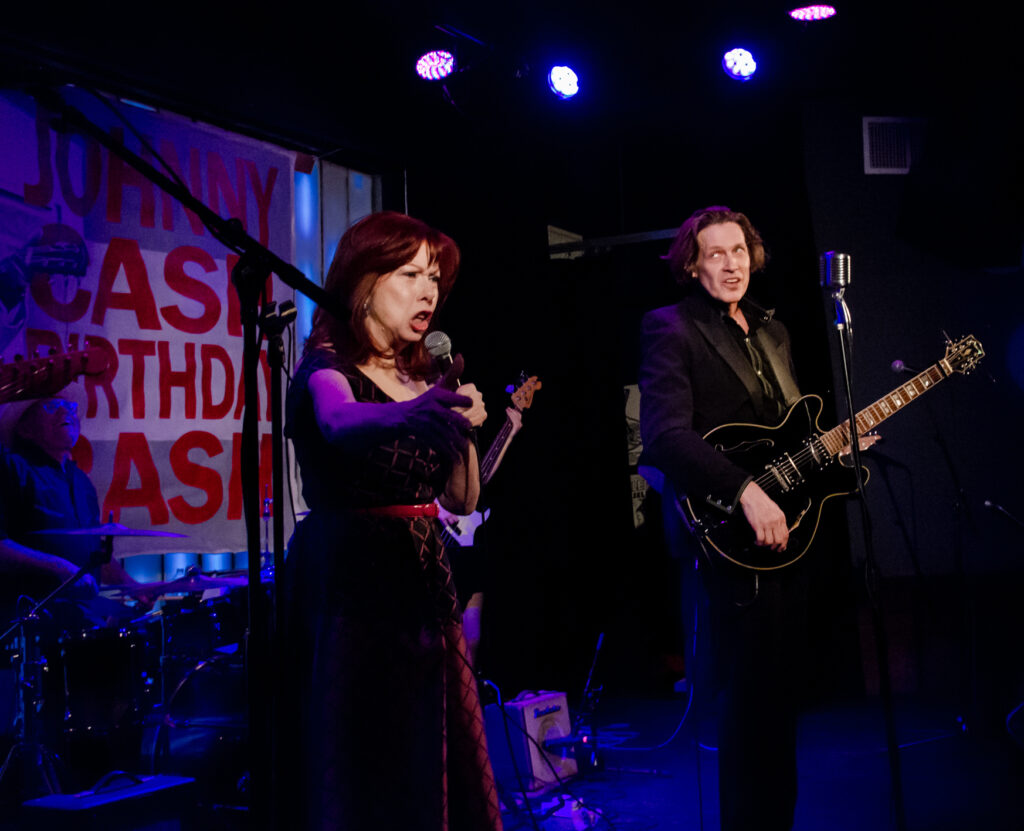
[
  {"x": 716, "y": 358},
  {"x": 390, "y": 731},
  {"x": 43, "y": 489}
]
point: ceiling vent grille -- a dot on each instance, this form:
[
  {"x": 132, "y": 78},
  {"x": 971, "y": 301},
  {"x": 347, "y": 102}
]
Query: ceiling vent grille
[{"x": 890, "y": 144}]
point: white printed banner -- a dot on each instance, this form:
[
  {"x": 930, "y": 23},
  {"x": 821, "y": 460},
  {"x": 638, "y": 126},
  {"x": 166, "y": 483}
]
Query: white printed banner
[{"x": 93, "y": 255}]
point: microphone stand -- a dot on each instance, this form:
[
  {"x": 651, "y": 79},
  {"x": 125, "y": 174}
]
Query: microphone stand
[
  {"x": 249, "y": 276},
  {"x": 836, "y": 281},
  {"x": 995, "y": 506}
]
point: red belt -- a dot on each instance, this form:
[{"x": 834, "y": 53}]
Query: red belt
[{"x": 428, "y": 509}]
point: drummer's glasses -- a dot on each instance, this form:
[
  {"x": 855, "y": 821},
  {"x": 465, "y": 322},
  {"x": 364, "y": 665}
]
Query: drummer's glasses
[{"x": 51, "y": 406}]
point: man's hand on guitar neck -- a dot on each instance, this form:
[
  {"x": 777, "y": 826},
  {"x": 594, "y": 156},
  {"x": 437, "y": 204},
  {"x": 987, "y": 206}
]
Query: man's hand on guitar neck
[{"x": 765, "y": 517}]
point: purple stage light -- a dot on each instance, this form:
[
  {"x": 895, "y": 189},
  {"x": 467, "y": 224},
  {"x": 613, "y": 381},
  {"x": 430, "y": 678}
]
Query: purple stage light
[
  {"x": 433, "y": 66},
  {"x": 815, "y": 12},
  {"x": 739, "y": 64},
  {"x": 563, "y": 81}
]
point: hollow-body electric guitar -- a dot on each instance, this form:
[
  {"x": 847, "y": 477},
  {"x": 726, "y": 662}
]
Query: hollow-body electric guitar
[{"x": 798, "y": 465}]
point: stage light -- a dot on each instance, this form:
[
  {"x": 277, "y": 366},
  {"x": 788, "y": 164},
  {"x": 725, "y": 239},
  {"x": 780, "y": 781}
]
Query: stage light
[
  {"x": 433, "y": 66},
  {"x": 818, "y": 11},
  {"x": 739, "y": 64},
  {"x": 563, "y": 81}
]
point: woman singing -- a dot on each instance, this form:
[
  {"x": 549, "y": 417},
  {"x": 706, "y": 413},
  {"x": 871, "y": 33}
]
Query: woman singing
[{"x": 389, "y": 719}]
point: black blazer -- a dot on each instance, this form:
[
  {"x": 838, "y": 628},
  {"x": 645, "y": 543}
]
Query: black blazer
[{"x": 694, "y": 376}]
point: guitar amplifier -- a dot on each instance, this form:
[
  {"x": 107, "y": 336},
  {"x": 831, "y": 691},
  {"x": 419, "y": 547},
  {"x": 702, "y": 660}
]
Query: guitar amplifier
[{"x": 532, "y": 721}]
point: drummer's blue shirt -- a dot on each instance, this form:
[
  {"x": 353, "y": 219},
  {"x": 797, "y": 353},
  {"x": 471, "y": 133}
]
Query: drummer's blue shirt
[{"x": 37, "y": 493}]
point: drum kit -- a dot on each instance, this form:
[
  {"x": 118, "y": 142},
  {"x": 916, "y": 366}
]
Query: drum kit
[{"x": 153, "y": 693}]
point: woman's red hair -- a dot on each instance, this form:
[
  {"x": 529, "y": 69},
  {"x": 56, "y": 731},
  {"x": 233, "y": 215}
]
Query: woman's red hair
[{"x": 377, "y": 245}]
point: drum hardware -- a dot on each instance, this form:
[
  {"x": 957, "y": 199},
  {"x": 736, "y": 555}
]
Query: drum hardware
[
  {"x": 203, "y": 731},
  {"x": 29, "y": 760},
  {"x": 268, "y": 503},
  {"x": 31, "y": 768},
  {"x": 103, "y": 694}
]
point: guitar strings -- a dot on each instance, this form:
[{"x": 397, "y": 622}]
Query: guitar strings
[{"x": 771, "y": 480}]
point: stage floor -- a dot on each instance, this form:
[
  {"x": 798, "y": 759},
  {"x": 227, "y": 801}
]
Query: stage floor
[
  {"x": 953, "y": 779},
  {"x": 651, "y": 775}
]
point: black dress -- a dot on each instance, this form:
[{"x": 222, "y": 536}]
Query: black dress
[{"x": 389, "y": 726}]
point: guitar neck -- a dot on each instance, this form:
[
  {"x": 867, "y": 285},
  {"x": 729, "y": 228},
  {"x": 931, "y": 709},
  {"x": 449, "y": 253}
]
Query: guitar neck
[
  {"x": 870, "y": 417},
  {"x": 41, "y": 377},
  {"x": 493, "y": 454}
]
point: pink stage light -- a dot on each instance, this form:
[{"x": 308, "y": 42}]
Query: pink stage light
[
  {"x": 433, "y": 66},
  {"x": 815, "y": 12}
]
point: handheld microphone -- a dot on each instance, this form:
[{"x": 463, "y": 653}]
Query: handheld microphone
[{"x": 439, "y": 345}]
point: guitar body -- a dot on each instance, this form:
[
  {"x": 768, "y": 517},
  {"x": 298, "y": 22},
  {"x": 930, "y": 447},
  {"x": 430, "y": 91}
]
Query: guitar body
[
  {"x": 759, "y": 450},
  {"x": 798, "y": 465},
  {"x": 460, "y": 530}
]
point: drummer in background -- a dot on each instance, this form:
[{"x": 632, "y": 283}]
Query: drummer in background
[{"x": 41, "y": 488}]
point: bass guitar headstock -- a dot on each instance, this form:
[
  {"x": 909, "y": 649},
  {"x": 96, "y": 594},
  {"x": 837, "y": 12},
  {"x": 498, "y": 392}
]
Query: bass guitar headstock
[
  {"x": 41, "y": 377},
  {"x": 522, "y": 396}
]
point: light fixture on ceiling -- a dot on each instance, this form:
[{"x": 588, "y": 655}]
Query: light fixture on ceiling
[
  {"x": 435, "y": 65},
  {"x": 817, "y": 11},
  {"x": 739, "y": 64},
  {"x": 563, "y": 81}
]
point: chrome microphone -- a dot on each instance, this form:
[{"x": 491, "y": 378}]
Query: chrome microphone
[
  {"x": 834, "y": 270},
  {"x": 439, "y": 345}
]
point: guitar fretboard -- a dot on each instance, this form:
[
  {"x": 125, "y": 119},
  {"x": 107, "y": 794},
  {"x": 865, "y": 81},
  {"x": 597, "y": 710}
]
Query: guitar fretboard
[
  {"x": 494, "y": 452},
  {"x": 870, "y": 417}
]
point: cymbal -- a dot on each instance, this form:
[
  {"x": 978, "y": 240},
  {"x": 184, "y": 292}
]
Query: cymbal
[
  {"x": 189, "y": 583},
  {"x": 110, "y": 529}
]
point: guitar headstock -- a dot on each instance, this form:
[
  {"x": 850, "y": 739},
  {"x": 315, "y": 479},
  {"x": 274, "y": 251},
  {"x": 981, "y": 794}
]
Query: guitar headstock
[
  {"x": 24, "y": 379},
  {"x": 963, "y": 355},
  {"x": 522, "y": 397}
]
